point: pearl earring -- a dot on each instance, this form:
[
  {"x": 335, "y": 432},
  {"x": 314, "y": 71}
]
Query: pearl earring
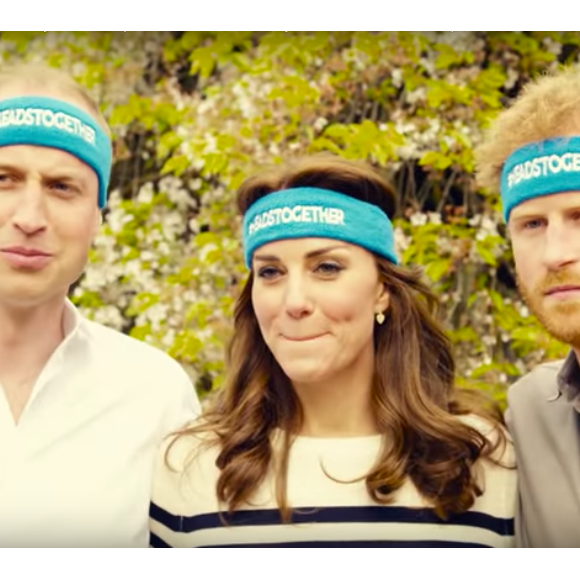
[{"x": 380, "y": 317}]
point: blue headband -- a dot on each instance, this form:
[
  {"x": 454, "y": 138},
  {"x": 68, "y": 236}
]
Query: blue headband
[
  {"x": 542, "y": 168},
  {"x": 310, "y": 212},
  {"x": 47, "y": 122}
]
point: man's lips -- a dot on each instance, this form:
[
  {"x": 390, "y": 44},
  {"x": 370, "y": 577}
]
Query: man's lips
[
  {"x": 562, "y": 288},
  {"x": 22, "y": 251},
  {"x": 25, "y": 259}
]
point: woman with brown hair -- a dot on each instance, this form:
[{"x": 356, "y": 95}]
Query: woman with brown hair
[{"x": 339, "y": 424}]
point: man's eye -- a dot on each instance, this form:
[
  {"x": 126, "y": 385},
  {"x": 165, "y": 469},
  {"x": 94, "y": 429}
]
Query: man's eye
[
  {"x": 61, "y": 186},
  {"x": 532, "y": 224}
]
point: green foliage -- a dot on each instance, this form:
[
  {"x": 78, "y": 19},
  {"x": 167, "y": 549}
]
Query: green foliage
[
  {"x": 194, "y": 113},
  {"x": 360, "y": 141}
]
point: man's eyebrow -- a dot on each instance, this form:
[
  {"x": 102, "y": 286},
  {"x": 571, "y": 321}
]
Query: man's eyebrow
[
  {"x": 58, "y": 172},
  {"x": 526, "y": 216},
  {"x": 10, "y": 167}
]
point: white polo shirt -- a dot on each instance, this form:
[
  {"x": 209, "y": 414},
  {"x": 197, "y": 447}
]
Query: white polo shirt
[{"x": 76, "y": 471}]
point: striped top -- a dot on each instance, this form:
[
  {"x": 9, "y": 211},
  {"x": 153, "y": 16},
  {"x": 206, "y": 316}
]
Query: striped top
[{"x": 326, "y": 513}]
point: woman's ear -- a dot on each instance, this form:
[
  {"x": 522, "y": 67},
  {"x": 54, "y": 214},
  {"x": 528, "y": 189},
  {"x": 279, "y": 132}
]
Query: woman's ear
[{"x": 383, "y": 299}]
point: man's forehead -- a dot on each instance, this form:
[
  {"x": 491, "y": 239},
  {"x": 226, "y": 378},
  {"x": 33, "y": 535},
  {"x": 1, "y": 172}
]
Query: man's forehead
[
  {"x": 547, "y": 203},
  {"x": 26, "y": 89},
  {"x": 44, "y": 159}
]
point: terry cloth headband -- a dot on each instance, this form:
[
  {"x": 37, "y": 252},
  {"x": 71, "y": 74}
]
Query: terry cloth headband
[
  {"x": 310, "y": 212},
  {"x": 33, "y": 120},
  {"x": 542, "y": 168}
]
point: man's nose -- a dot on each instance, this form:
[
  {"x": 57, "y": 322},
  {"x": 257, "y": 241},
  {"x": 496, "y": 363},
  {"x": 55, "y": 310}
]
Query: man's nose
[
  {"x": 30, "y": 212},
  {"x": 562, "y": 246}
]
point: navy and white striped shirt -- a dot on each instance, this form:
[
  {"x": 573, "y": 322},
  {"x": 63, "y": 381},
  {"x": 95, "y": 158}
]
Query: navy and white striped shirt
[{"x": 326, "y": 513}]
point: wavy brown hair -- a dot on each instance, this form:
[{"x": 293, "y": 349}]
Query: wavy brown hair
[{"x": 416, "y": 405}]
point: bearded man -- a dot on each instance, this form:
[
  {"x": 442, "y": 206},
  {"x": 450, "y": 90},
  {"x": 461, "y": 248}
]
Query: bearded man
[{"x": 531, "y": 156}]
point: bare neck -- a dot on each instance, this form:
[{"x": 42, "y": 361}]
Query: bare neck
[
  {"x": 340, "y": 406},
  {"x": 28, "y": 336}
]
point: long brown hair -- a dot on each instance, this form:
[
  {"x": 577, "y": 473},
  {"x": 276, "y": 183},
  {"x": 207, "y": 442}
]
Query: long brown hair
[{"x": 415, "y": 402}]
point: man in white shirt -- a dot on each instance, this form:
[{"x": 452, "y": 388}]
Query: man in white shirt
[{"x": 83, "y": 408}]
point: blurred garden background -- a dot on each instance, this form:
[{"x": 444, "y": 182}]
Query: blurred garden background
[{"x": 194, "y": 113}]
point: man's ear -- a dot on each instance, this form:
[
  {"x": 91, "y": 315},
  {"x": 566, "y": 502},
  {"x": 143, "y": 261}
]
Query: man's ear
[{"x": 98, "y": 222}]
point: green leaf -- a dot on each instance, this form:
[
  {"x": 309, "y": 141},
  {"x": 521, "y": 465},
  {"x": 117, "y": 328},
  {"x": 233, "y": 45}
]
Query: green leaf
[
  {"x": 465, "y": 334},
  {"x": 570, "y": 38},
  {"x": 429, "y": 158},
  {"x": 215, "y": 163},
  {"x": 511, "y": 369},
  {"x": 141, "y": 332},
  {"x": 338, "y": 131},
  {"x": 472, "y": 298},
  {"x": 168, "y": 142},
  {"x": 205, "y": 238},
  {"x": 203, "y": 61},
  {"x": 436, "y": 269},
  {"x": 176, "y": 165},
  {"x": 485, "y": 253},
  {"x": 437, "y": 94},
  {"x": 482, "y": 370},
  {"x": 436, "y": 160},
  {"x": 497, "y": 300},
  {"x": 242, "y": 61},
  {"x": 141, "y": 302},
  {"x": 447, "y": 56},
  {"x": 191, "y": 39},
  {"x": 122, "y": 115}
]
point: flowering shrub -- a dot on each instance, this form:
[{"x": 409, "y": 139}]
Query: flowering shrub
[{"x": 194, "y": 113}]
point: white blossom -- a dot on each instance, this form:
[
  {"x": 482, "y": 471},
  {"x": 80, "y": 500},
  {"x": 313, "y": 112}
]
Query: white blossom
[
  {"x": 418, "y": 219},
  {"x": 416, "y": 96},
  {"x": 320, "y": 123},
  {"x": 434, "y": 218},
  {"x": 108, "y": 315}
]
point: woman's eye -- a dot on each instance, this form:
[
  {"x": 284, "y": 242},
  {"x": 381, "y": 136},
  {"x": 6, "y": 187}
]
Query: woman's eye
[
  {"x": 267, "y": 272},
  {"x": 328, "y": 268}
]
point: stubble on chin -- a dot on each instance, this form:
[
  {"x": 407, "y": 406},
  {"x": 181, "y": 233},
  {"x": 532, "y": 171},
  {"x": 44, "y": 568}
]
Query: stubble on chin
[{"x": 561, "y": 319}]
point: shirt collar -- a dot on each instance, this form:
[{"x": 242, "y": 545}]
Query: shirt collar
[
  {"x": 71, "y": 325},
  {"x": 71, "y": 319},
  {"x": 569, "y": 380}
]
